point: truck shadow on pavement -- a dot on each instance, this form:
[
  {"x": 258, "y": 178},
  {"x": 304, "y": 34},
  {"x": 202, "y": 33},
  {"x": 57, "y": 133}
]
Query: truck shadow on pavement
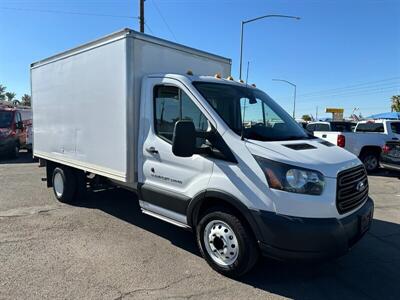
[
  {"x": 23, "y": 158},
  {"x": 370, "y": 271}
]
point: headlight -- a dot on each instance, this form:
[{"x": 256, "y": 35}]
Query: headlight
[{"x": 290, "y": 178}]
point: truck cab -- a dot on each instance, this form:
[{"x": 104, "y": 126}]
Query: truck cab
[
  {"x": 12, "y": 131},
  {"x": 212, "y": 142}
]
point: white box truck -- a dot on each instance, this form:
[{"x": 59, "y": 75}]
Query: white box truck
[{"x": 206, "y": 153}]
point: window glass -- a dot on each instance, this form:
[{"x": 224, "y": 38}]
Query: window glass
[
  {"x": 370, "y": 127},
  {"x": 171, "y": 104},
  {"x": 6, "y": 118},
  {"x": 395, "y": 127},
  {"x": 321, "y": 127},
  {"x": 310, "y": 127},
  {"x": 343, "y": 127},
  {"x": 250, "y": 112}
]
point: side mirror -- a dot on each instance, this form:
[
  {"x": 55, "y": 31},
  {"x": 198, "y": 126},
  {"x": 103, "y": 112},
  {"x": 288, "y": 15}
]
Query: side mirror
[
  {"x": 184, "y": 139},
  {"x": 19, "y": 125}
]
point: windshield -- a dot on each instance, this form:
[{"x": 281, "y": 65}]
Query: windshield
[
  {"x": 5, "y": 119},
  {"x": 252, "y": 111}
]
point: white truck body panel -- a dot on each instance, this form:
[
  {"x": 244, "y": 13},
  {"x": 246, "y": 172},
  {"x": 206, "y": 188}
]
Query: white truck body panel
[{"x": 86, "y": 100}]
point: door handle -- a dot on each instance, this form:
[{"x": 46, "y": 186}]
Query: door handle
[{"x": 152, "y": 150}]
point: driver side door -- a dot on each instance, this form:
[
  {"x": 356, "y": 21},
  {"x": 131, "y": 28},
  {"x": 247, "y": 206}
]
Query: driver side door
[{"x": 170, "y": 182}]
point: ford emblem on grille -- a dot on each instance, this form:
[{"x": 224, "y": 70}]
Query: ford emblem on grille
[{"x": 360, "y": 186}]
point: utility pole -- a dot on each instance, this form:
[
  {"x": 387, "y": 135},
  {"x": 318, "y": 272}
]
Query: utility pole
[
  {"x": 141, "y": 17},
  {"x": 241, "y": 34},
  {"x": 294, "y": 94}
]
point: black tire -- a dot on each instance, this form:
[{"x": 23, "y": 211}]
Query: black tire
[
  {"x": 66, "y": 177},
  {"x": 370, "y": 160},
  {"x": 14, "y": 153},
  {"x": 247, "y": 248}
]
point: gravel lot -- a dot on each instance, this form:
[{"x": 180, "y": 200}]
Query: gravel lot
[{"x": 104, "y": 248}]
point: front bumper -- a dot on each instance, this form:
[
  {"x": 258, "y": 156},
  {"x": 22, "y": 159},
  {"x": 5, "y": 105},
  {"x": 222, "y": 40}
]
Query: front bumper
[{"x": 294, "y": 238}]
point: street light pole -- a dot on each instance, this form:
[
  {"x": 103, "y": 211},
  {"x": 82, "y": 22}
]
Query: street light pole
[
  {"x": 295, "y": 92},
  {"x": 252, "y": 20}
]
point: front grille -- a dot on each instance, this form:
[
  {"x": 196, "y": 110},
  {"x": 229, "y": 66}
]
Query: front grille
[{"x": 350, "y": 192}]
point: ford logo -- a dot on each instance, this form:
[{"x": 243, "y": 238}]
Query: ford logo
[{"x": 360, "y": 186}]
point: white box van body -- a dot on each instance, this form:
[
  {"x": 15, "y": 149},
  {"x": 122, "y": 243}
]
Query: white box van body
[{"x": 202, "y": 152}]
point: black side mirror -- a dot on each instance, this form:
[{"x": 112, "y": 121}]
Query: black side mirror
[
  {"x": 184, "y": 139},
  {"x": 19, "y": 125}
]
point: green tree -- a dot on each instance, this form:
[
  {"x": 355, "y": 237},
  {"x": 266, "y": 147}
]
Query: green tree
[
  {"x": 396, "y": 103},
  {"x": 10, "y": 96},
  {"x": 2, "y": 92},
  {"x": 26, "y": 100},
  {"x": 306, "y": 117}
]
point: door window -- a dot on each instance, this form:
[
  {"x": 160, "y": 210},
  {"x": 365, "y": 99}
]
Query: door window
[{"x": 171, "y": 104}]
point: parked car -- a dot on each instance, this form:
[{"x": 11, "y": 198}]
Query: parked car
[
  {"x": 390, "y": 156},
  {"x": 12, "y": 131},
  {"x": 366, "y": 141},
  {"x": 205, "y": 153},
  {"x": 342, "y": 126}
]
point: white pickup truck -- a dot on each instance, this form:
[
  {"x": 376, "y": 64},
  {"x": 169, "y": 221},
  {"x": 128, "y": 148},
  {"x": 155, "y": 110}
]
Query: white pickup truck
[{"x": 366, "y": 141}]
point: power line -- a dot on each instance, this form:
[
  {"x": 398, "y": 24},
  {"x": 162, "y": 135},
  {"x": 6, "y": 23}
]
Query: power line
[
  {"x": 148, "y": 28},
  {"x": 351, "y": 86},
  {"x": 164, "y": 20},
  {"x": 67, "y": 12},
  {"x": 354, "y": 93}
]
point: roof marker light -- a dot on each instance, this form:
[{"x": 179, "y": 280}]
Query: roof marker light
[
  {"x": 189, "y": 72},
  {"x": 229, "y": 77},
  {"x": 218, "y": 76},
  {"x": 241, "y": 81},
  {"x": 253, "y": 85}
]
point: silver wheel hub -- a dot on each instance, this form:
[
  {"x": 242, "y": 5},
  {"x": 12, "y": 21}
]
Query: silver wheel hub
[
  {"x": 221, "y": 243},
  {"x": 58, "y": 184},
  {"x": 371, "y": 162}
]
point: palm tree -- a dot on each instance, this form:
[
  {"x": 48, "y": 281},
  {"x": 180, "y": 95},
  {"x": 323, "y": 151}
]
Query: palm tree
[
  {"x": 2, "y": 92},
  {"x": 10, "y": 96},
  {"x": 396, "y": 103},
  {"x": 26, "y": 100}
]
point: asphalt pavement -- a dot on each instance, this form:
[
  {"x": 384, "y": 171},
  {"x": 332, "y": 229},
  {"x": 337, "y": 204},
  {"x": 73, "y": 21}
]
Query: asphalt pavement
[{"x": 105, "y": 248}]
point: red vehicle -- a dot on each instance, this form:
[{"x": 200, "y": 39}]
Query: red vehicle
[{"x": 13, "y": 129}]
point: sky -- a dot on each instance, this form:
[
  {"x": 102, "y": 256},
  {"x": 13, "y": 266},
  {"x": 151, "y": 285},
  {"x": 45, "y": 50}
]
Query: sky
[{"x": 342, "y": 53}]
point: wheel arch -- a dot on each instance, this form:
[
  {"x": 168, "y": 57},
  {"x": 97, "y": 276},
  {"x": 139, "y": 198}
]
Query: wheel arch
[
  {"x": 367, "y": 149},
  {"x": 210, "y": 198}
]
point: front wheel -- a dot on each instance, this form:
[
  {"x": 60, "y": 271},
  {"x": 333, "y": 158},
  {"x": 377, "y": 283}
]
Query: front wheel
[
  {"x": 226, "y": 243},
  {"x": 14, "y": 153}
]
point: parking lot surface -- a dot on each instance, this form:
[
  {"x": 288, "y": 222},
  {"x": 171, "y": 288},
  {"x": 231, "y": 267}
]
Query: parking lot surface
[{"x": 105, "y": 248}]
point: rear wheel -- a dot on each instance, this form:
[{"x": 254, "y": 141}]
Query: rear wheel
[
  {"x": 64, "y": 184},
  {"x": 226, "y": 243},
  {"x": 370, "y": 161}
]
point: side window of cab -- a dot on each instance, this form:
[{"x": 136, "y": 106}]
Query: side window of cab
[{"x": 172, "y": 104}]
